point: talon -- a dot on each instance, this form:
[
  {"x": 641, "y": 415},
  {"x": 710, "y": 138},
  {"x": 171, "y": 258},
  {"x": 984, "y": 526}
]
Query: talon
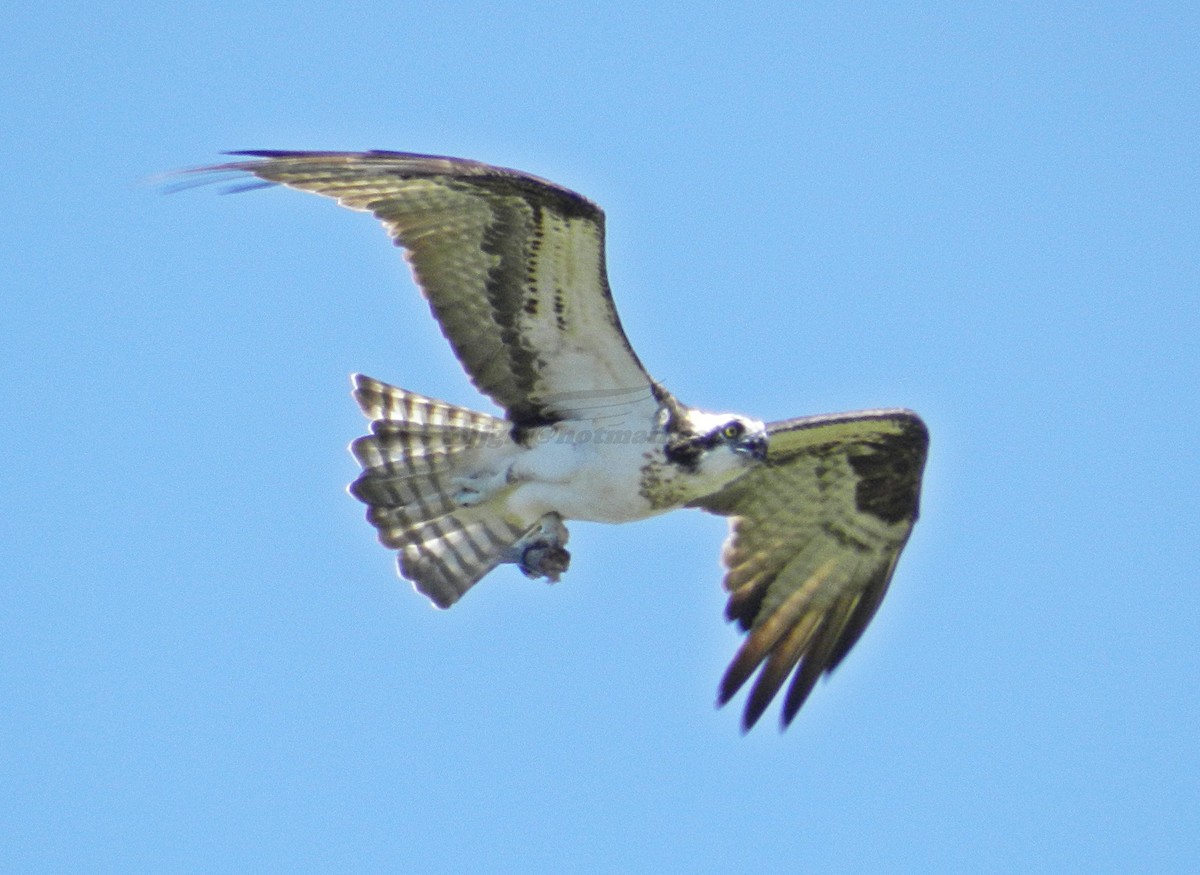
[
  {"x": 467, "y": 497},
  {"x": 473, "y": 489},
  {"x": 540, "y": 553},
  {"x": 545, "y": 560}
]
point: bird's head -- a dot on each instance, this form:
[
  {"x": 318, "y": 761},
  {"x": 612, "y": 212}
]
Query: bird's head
[{"x": 716, "y": 445}]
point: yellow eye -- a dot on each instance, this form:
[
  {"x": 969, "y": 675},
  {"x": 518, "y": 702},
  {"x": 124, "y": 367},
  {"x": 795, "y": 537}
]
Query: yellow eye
[{"x": 733, "y": 431}]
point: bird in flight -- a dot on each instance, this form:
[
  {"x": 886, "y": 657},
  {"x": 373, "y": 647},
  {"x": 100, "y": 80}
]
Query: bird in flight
[{"x": 512, "y": 267}]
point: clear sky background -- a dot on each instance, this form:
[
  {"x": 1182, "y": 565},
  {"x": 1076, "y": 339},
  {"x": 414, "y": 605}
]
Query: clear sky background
[{"x": 986, "y": 212}]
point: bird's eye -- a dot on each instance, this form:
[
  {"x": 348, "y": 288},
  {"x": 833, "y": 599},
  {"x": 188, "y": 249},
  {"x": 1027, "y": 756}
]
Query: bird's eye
[{"x": 733, "y": 431}]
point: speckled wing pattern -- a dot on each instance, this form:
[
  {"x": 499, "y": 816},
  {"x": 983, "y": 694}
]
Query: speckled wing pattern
[
  {"x": 511, "y": 265},
  {"x": 815, "y": 534}
]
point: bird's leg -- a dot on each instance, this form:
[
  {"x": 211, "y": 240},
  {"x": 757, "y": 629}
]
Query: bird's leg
[{"x": 475, "y": 488}]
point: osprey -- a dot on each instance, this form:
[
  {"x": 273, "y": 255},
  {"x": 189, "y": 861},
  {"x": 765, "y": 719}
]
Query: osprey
[{"x": 513, "y": 269}]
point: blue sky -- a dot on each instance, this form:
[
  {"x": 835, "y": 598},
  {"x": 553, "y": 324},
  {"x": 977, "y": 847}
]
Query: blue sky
[{"x": 985, "y": 212}]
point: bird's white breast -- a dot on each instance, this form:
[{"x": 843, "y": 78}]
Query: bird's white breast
[{"x": 586, "y": 471}]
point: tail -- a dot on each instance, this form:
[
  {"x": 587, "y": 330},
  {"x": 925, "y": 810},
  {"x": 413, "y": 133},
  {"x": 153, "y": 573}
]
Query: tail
[{"x": 418, "y": 463}]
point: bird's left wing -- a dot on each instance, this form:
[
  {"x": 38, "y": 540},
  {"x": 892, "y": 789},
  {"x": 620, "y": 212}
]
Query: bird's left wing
[
  {"x": 815, "y": 533},
  {"x": 512, "y": 267}
]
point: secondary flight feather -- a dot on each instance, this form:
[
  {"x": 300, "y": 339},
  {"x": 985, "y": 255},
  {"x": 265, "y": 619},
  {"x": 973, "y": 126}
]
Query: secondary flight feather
[{"x": 512, "y": 266}]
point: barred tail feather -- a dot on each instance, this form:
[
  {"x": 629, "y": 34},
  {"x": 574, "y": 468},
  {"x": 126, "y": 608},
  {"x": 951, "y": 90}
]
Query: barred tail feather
[
  {"x": 413, "y": 463},
  {"x": 416, "y": 447},
  {"x": 447, "y": 556},
  {"x": 382, "y": 401}
]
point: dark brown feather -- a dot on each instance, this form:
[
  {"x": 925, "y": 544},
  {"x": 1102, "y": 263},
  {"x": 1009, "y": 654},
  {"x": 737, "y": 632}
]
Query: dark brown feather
[
  {"x": 489, "y": 248},
  {"x": 814, "y": 539}
]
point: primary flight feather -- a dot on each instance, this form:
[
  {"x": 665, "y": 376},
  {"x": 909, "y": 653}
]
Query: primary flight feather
[{"x": 513, "y": 269}]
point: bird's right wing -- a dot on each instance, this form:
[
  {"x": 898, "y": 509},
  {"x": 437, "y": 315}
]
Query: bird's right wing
[{"x": 815, "y": 534}]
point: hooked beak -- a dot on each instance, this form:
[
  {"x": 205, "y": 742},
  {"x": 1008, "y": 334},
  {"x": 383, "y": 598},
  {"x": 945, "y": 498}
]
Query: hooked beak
[{"x": 754, "y": 446}]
